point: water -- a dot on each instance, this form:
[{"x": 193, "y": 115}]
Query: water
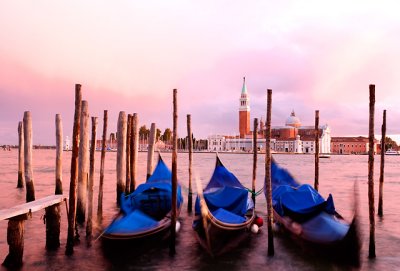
[{"x": 337, "y": 176}]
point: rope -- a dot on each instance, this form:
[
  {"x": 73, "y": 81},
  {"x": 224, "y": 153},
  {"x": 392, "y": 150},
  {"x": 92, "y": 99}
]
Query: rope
[
  {"x": 184, "y": 188},
  {"x": 255, "y": 193}
]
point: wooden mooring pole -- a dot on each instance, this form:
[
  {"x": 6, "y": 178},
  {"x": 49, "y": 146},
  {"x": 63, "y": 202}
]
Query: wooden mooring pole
[
  {"x": 190, "y": 136},
  {"x": 59, "y": 152},
  {"x": 268, "y": 185},
  {"x": 53, "y": 223},
  {"x": 53, "y": 215},
  {"x": 255, "y": 150},
  {"x": 150, "y": 151},
  {"x": 371, "y": 251},
  {"x": 382, "y": 169},
  {"x": 134, "y": 150},
  {"x": 30, "y": 190},
  {"x": 121, "y": 155},
  {"x": 103, "y": 155},
  {"x": 21, "y": 171},
  {"x": 15, "y": 241},
  {"x": 15, "y": 230},
  {"x": 74, "y": 171},
  {"x": 316, "y": 152},
  {"x": 83, "y": 170},
  {"x": 172, "y": 250},
  {"x": 89, "y": 222},
  {"x": 128, "y": 154}
]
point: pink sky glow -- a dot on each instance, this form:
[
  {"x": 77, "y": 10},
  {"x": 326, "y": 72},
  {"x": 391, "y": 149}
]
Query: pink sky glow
[{"x": 129, "y": 55}]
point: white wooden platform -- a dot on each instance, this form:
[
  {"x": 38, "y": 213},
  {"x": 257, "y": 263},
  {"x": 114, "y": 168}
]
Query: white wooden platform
[{"x": 32, "y": 206}]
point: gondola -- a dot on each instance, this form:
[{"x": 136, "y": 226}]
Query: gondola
[
  {"x": 311, "y": 219},
  {"x": 224, "y": 212},
  {"x": 146, "y": 213}
]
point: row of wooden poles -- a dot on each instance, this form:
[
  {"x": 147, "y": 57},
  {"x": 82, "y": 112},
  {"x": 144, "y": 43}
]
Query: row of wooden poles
[
  {"x": 15, "y": 229},
  {"x": 127, "y": 154},
  {"x": 371, "y": 196},
  {"x": 371, "y": 152},
  {"x": 82, "y": 179}
]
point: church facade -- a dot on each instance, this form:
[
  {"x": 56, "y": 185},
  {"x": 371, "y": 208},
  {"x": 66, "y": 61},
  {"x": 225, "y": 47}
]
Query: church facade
[{"x": 292, "y": 137}]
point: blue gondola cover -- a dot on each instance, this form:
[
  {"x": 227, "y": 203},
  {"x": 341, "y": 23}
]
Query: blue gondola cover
[
  {"x": 226, "y": 198},
  {"x": 300, "y": 202},
  {"x": 148, "y": 204}
]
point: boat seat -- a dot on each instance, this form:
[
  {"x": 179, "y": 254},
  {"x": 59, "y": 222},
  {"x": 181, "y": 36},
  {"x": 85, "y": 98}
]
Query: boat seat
[{"x": 228, "y": 217}]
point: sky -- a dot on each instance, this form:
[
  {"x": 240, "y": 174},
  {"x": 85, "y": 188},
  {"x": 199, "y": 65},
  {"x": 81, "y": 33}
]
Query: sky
[{"x": 130, "y": 55}]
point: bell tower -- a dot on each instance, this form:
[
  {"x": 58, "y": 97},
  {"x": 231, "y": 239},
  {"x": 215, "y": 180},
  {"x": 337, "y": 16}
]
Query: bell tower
[{"x": 244, "y": 111}]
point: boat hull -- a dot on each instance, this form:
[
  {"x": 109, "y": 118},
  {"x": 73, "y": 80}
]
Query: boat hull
[
  {"x": 311, "y": 220},
  {"x": 345, "y": 250},
  {"x": 162, "y": 228},
  {"x": 222, "y": 237}
]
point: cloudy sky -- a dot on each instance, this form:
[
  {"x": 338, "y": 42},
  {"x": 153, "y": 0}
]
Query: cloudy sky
[{"x": 129, "y": 55}]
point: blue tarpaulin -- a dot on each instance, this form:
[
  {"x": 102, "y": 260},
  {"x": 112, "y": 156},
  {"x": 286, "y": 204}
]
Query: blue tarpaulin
[
  {"x": 148, "y": 204},
  {"x": 300, "y": 202},
  {"x": 135, "y": 221},
  {"x": 226, "y": 198},
  {"x": 303, "y": 204}
]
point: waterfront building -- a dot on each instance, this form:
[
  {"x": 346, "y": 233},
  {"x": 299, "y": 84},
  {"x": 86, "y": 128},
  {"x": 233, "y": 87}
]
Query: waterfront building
[
  {"x": 67, "y": 144},
  {"x": 295, "y": 138},
  {"x": 290, "y": 138},
  {"x": 244, "y": 111},
  {"x": 351, "y": 145},
  {"x": 216, "y": 143}
]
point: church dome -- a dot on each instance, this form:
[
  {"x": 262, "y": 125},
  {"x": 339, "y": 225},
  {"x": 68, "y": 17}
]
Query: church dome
[{"x": 292, "y": 120}]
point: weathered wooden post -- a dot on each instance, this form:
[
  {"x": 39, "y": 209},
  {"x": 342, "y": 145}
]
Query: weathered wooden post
[
  {"x": 53, "y": 216},
  {"x": 53, "y": 223},
  {"x": 128, "y": 154},
  {"x": 121, "y": 155},
  {"x": 103, "y": 155},
  {"x": 316, "y": 132},
  {"x": 174, "y": 174},
  {"x": 190, "y": 137},
  {"x": 382, "y": 170},
  {"x": 89, "y": 223},
  {"x": 21, "y": 173},
  {"x": 74, "y": 172},
  {"x": 83, "y": 170},
  {"x": 15, "y": 240},
  {"x": 15, "y": 230},
  {"x": 255, "y": 150},
  {"x": 59, "y": 151},
  {"x": 30, "y": 190},
  {"x": 268, "y": 185},
  {"x": 371, "y": 253},
  {"x": 150, "y": 151},
  {"x": 134, "y": 150}
]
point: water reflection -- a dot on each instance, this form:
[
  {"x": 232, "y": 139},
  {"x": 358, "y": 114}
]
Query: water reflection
[{"x": 337, "y": 176}]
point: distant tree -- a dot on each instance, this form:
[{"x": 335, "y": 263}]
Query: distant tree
[
  {"x": 143, "y": 131},
  {"x": 182, "y": 143},
  {"x": 158, "y": 134},
  {"x": 167, "y": 135},
  {"x": 390, "y": 144}
]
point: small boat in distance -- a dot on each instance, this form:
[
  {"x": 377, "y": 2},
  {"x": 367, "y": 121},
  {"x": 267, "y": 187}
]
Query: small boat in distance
[
  {"x": 224, "y": 212},
  {"x": 312, "y": 220},
  {"x": 324, "y": 155},
  {"x": 67, "y": 144},
  {"x": 147, "y": 211},
  {"x": 392, "y": 152}
]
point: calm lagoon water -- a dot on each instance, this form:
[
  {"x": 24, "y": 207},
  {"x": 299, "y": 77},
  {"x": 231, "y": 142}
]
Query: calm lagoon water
[{"x": 337, "y": 176}]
